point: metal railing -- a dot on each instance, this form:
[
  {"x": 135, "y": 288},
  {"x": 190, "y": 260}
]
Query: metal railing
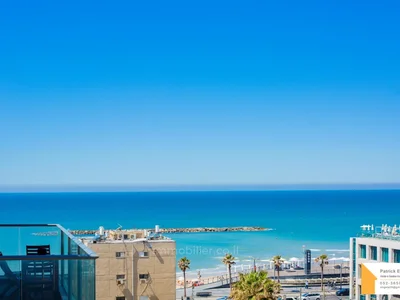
[
  {"x": 68, "y": 271},
  {"x": 297, "y": 278}
]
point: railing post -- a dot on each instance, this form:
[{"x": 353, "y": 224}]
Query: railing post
[
  {"x": 69, "y": 277},
  {"x": 62, "y": 262},
  {"x": 79, "y": 282}
]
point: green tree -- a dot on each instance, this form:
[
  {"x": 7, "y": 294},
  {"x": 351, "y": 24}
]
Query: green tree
[
  {"x": 278, "y": 261},
  {"x": 184, "y": 264},
  {"x": 229, "y": 260},
  {"x": 255, "y": 286},
  {"x": 322, "y": 260}
]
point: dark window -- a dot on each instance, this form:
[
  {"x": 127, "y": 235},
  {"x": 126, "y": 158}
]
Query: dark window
[
  {"x": 396, "y": 256},
  {"x": 125, "y": 236},
  {"x": 143, "y": 254},
  {"x": 374, "y": 253},
  {"x": 119, "y": 298},
  {"x": 363, "y": 251},
  {"x": 120, "y": 276},
  {"x": 143, "y": 276},
  {"x": 385, "y": 255},
  {"x": 119, "y": 254}
]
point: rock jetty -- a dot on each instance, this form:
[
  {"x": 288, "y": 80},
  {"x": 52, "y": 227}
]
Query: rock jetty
[
  {"x": 185, "y": 230},
  {"x": 209, "y": 229}
]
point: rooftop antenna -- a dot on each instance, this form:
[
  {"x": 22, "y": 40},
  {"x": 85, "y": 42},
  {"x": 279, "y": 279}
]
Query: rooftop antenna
[{"x": 119, "y": 227}]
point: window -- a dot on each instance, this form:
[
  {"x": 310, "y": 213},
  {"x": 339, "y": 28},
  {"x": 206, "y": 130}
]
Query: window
[
  {"x": 144, "y": 276},
  {"x": 363, "y": 251},
  {"x": 143, "y": 254},
  {"x": 119, "y": 298},
  {"x": 373, "y": 253},
  {"x": 125, "y": 236},
  {"x": 119, "y": 254},
  {"x": 385, "y": 254},
  {"x": 359, "y": 271},
  {"x": 396, "y": 256},
  {"x": 120, "y": 276}
]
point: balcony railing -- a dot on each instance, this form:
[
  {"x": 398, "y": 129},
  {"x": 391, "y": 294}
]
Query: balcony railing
[
  {"x": 61, "y": 268},
  {"x": 379, "y": 235}
]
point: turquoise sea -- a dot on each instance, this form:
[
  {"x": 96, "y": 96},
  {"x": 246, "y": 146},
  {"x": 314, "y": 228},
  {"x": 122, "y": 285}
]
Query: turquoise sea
[{"x": 320, "y": 220}]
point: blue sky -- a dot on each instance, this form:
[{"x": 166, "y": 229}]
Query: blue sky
[{"x": 199, "y": 92}]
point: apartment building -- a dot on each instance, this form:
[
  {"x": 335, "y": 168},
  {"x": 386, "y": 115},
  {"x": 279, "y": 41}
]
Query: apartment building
[
  {"x": 134, "y": 265},
  {"x": 380, "y": 244}
]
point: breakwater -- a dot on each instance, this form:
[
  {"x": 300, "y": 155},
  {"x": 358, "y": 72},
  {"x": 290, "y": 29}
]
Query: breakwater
[{"x": 184, "y": 230}]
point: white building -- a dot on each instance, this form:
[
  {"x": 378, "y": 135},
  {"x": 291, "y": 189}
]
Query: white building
[{"x": 373, "y": 245}]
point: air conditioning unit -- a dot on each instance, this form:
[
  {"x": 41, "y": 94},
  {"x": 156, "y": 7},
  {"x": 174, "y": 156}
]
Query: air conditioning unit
[
  {"x": 120, "y": 281},
  {"x": 143, "y": 280}
]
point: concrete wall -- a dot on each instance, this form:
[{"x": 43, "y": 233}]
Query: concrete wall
[{"x": 160, "y": 265}]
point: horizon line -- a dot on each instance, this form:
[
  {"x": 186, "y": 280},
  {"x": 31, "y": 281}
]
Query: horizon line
[{"x": 53, "y": 188}]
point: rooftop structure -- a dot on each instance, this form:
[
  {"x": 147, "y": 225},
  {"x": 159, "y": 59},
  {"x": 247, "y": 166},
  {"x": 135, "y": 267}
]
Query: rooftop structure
[
  {"x": 45, "y": 261},
  {"x": 384, "y": 231},
  {"x": 120, "y": 235}
]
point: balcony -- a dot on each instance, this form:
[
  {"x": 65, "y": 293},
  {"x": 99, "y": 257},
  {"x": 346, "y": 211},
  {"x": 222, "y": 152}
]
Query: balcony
[{"x": 44, "y": 261}]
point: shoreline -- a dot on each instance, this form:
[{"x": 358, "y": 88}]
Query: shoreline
[{"x": 184, "y": 230}]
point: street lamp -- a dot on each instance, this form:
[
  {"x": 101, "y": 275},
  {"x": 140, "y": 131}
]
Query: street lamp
[
  {"x": 254, "y": 262},
  {"x": 341, "y": 268}
]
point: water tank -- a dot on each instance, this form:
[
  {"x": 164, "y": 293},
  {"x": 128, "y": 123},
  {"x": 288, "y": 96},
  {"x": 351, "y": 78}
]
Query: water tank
[
  {"x": 101, "y": 230},
  {"x": 157, "y": 229}
]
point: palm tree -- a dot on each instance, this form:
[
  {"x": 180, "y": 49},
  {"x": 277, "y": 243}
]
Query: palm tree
[
  {"x": 184, "y": 264},
  {"x": 278, "y": 261},
  {"x": 322, "y": 260},
  {"x": 229, "y": 260},
  {"x": 255, "y": 286}
]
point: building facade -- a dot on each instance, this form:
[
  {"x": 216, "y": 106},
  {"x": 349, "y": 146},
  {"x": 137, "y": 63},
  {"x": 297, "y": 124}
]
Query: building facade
[
  {"x": 133, "y": 265},
  {"x": 372, "y": 245}
]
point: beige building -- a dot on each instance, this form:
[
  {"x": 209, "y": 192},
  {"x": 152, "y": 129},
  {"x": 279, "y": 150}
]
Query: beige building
[{"x": 134, "y": 265}]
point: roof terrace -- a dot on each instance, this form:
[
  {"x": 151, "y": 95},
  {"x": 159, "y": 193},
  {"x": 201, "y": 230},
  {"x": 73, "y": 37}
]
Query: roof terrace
[
  {"x": 120, "y": 235},
  {"x": 44, "y": 261},
  {"x": 380, "y": 232}
]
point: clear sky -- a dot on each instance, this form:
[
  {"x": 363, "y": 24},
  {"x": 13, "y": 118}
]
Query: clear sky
[{"x": 199, "y": 92}]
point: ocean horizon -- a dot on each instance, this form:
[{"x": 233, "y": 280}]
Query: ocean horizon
[{"x": 320, "y": 220}]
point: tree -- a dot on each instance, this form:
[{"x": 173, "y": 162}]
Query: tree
[
  {"x": 184, "y": 264},
  {"x": 255, "y": 286},
  {"x": 322, "y": 260},
  {"x": 229, "y": 260},
  {"x": 278, "y": 261}
]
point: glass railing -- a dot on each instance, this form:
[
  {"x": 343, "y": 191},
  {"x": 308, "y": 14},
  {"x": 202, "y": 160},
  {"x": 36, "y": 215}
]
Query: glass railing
[
  {"x": 379, "y": 235},
  {"x": 44, "y": 262}
]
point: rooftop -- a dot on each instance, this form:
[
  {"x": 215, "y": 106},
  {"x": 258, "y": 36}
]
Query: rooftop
[
  {"x": 384, "y": 231},
  {"x": 103, "y": 236}
]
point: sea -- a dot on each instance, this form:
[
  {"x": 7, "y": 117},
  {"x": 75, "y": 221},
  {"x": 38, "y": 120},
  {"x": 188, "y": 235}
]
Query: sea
[{"x": 320, "y": 220}]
